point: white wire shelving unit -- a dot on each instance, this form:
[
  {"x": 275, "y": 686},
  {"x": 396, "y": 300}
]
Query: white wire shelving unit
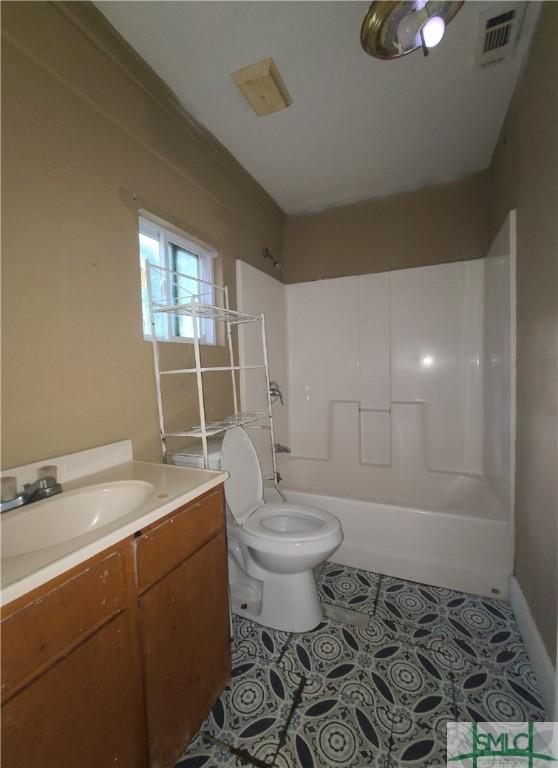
[{"x": 178, "y": 300}]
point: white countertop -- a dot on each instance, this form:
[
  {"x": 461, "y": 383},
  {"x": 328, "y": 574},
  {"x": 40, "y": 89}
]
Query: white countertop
[{"x": 178, "y": 486}]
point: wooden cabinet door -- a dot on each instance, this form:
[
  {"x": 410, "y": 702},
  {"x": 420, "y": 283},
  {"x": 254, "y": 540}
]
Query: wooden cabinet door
[
  {"x": 80, "y": 713},
  {"x": 184, "y": 622},
  {"x": 168, "y": 542}
]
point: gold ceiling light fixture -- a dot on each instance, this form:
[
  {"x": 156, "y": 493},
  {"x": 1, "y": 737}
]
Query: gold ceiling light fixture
[{"x": 394, "y": 29}]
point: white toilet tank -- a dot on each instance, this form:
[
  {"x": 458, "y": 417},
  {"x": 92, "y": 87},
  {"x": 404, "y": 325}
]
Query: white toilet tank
[{"x": 195, "y": 454}]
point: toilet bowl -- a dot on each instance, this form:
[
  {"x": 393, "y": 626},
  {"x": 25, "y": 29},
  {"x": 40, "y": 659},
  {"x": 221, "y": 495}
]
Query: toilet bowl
[
  {"x": 273, "y": 548},
  {"x": 289, "y": 538}
]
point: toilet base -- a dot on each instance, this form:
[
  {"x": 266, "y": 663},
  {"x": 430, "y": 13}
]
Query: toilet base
[
  {"x": 246, "y": 596},
  {"x": 290, "y": 601}
]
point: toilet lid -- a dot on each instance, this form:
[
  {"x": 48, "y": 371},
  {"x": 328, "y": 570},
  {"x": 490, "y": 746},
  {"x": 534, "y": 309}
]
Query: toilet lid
[{"x": 244, "y": 488}]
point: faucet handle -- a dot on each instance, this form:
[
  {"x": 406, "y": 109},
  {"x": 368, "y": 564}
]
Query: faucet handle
[
  {"x": 49, "y": 470},
  {"x": 275, "y": 392},
  {"x": 8, "y": 489}
]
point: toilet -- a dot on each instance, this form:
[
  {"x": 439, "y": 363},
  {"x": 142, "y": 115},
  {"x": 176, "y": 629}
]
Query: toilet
[{"x": 273, "y": 547}]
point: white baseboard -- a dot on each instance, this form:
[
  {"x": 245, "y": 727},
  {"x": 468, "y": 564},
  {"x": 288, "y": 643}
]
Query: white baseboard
[{"x": 538, "y": 655}]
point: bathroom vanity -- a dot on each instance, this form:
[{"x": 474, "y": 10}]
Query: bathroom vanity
[{"x": 117, "y": 660}]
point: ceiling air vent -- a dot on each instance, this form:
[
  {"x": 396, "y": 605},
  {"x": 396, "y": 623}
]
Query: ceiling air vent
[{"x": 498, "y": 33}]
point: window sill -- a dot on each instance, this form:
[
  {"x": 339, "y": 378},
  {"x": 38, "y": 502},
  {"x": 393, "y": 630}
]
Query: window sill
[{"x": 179, "y": 340}]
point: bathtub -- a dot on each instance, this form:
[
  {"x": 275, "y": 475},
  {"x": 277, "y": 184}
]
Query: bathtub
[{"x": 470, "y": 550}]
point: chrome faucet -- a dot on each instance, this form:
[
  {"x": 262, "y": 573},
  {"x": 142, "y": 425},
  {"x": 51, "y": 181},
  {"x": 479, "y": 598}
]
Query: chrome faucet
[
  {"x": 42, "y": 488},
  {"x": 275, "y": 392}
]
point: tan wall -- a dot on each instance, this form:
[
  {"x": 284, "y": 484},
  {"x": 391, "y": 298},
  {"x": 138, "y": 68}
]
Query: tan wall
[
  {"x": 84, "y": 145},
  {"x": 431, "y": 225},
  {"x": 525, "y": 175}
]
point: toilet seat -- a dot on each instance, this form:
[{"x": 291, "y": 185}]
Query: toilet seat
[{"x": 291, "y": 522}]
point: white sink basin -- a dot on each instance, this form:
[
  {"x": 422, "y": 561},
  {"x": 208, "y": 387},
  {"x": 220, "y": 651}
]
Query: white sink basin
[{"x": 69, "y": 515}]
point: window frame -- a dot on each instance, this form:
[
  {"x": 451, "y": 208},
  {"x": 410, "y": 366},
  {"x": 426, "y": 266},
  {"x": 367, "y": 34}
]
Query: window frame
[{"x": 167, "y": 235}]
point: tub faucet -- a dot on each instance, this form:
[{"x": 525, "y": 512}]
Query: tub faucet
[
  {"x": 281, "y": 448},
  {"x": 42, "y": 488}
]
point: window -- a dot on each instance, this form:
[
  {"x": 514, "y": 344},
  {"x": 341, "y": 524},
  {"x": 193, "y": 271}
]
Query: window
[{"x": 164, "y": 247}]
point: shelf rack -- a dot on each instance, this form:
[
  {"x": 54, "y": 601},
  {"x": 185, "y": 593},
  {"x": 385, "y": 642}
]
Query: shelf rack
[
  {"x": 178, "y": 299},
  {"x": 213, "y": 428}
]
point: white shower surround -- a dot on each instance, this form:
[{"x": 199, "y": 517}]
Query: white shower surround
[{"x": 400, "y": 400}]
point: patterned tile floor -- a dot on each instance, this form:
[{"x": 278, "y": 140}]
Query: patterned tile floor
[{"x": 377, "y": 696}]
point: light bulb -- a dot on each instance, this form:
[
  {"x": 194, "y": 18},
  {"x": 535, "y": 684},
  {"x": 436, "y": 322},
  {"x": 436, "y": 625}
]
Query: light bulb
[{"x": 433, "y": 31}]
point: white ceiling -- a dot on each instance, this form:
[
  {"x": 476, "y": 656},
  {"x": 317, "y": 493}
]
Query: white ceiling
[{"x": 358, "y": 127}]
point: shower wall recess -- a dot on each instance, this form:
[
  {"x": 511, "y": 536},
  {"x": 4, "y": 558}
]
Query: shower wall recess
[
  {"x": 402, "y": 350},
  {"x": 386, "y": 383}
]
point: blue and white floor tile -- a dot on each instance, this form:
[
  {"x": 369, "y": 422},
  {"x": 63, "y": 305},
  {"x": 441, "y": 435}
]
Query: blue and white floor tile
[
  {"x": 257, "y": 701},
  {"x": 348, "y": 587},
  {"x": 331, "y": 650},
  {"x": 203, "y": 751},
  {"x": 254, "y": 641},
  {"x": 331, "y": 732},
  {"x": 378, "y": 694}
]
